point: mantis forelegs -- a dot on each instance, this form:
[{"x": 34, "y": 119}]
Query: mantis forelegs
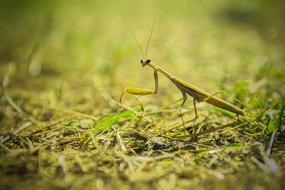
[{"x": 142, "y": 91}]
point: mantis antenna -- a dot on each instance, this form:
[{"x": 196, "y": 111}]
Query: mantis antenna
[
  {"x": 134, "y": 36},
  {"x": 149, "y": 39}
]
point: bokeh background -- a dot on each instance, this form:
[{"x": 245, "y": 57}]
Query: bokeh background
[
  {"x": 204, "y": 43},
  {"x": 77, "y": 56}
]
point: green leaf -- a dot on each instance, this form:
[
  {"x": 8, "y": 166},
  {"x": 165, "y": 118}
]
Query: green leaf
[
  {"x": 225, "y": 112},
  {"x": 108, "y": 121},
  {"x": 272, "y": 125},
  {"x": 275, "y": 123},
  {"x": 85, "y": 123}
]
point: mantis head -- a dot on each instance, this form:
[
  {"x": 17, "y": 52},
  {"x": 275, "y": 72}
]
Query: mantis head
[{"x": 145, "y": 62}]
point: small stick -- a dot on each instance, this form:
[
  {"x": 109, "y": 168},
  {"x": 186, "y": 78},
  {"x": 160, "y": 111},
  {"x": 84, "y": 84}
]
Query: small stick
[{"x": 268, "y": 151}]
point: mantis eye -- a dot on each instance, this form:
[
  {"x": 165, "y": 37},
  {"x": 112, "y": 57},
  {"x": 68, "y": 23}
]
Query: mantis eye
[
  {"x": 141, "y": 61},
  {"x": 148, "y": 61}
]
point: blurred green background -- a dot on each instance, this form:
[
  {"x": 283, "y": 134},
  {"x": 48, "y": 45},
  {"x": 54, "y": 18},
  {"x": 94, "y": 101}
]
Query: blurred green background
[
  {"x": 206, "y": 43},
  {"x": 77, "y": 56}
]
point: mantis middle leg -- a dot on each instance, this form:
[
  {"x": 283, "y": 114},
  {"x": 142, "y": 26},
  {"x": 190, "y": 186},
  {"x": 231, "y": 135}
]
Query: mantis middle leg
[
  {"x": 184, "y": 98},
  {"x": 195, "y": 109}
]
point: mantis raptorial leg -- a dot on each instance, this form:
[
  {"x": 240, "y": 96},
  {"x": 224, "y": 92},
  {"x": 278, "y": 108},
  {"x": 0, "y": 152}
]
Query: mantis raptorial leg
[{"x": 142, "y": 91}]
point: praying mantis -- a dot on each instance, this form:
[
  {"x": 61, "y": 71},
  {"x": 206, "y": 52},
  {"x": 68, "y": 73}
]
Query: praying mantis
[{"x": 186, "y": 88}]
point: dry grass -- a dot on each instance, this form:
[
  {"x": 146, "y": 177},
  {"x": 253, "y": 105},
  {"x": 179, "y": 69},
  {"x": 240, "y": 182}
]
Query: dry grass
[{"x": 62, "y": 127}]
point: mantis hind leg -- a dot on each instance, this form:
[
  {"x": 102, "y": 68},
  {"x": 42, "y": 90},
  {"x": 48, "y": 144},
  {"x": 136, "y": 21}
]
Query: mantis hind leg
[{"x": 225, "y": 93}]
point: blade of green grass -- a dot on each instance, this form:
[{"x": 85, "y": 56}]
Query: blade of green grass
[
  {"x": 275, "y": 123},
  {"x": 105, "y": 123}
]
